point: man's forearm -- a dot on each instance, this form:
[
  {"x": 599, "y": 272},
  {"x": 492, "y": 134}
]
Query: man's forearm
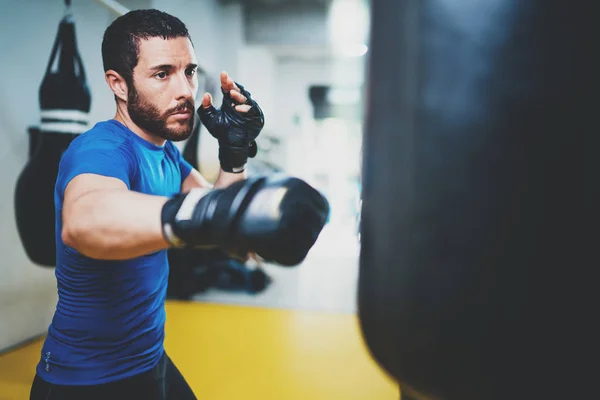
[
  {"x": 224, "y": 179},
  {"x": 227, "y": 178},
  {"x": 114, "y": 224}
]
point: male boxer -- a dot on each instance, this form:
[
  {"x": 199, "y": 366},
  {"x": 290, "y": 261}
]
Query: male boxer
[{"x": 124, "y": 195}]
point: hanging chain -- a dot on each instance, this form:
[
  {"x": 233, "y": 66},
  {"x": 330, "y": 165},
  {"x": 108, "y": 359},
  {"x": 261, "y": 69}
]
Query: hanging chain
[{"x": 68, "y": 11}]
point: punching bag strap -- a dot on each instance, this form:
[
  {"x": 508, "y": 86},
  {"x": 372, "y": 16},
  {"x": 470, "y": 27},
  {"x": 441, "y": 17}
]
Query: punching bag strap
[
  {"x": 54, "y": 51},
  {"x": 62, "y": 36},
  {"x": 68, "y": 57},
  {"x": 79, "y": 64},
  {"x": 64, "y": 95}
]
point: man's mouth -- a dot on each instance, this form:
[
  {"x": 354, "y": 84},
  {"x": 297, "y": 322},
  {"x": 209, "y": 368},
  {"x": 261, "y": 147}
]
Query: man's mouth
[
  {"x": 183, "y": 111},
  {"x": 186, "y": 112}
]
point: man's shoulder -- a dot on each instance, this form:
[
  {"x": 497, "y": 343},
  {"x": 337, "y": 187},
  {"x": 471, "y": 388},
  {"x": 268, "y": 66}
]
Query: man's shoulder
[{"x": 103, "y": 135}]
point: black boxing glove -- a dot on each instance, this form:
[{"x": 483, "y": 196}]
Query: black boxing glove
[
  {"x": 278, "y": 218},
  {"x": 236, "y": 131}
]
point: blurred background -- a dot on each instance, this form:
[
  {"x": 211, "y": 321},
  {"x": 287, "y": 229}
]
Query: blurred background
[{"x": 304, "y": 62}]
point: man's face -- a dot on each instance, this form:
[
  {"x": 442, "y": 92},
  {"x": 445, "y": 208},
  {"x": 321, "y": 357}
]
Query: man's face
[{"x": 165, "y": 85}]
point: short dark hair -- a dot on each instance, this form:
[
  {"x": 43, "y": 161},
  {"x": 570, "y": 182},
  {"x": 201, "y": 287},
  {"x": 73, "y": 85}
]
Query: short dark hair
[{"x": 121, "y": 42}]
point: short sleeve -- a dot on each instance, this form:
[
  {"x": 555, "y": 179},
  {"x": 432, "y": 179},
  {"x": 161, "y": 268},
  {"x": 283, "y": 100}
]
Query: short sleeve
[{"x": 94, "y": 158}]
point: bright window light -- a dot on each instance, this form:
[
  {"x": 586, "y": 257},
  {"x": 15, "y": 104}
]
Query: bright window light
[{"x": 348, "y": 27}]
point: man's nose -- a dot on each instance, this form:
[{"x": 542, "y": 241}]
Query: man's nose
[{"x": 184, "y": 87}]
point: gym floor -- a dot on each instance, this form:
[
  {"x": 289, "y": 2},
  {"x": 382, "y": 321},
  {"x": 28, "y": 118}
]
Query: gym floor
[{"x": 299, "y": 339}]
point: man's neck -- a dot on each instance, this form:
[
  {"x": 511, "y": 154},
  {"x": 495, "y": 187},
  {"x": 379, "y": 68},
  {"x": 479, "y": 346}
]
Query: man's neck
[{"x": 123, "y": 117}]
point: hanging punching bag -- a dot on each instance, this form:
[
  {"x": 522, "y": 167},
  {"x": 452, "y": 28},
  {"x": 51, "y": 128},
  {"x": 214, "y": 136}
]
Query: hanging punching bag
[
  {"x": 65, "y": 103},
  {"x": 473, "y": 163}
]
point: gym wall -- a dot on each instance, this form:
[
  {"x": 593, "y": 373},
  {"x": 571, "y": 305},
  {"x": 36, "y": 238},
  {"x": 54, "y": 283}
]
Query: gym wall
[
  {"x": 29, "y": 27},
  {"x": 27, "y": 291},
  {"x": 278, "y": 64},
  {"x": 294, "y": 109}
]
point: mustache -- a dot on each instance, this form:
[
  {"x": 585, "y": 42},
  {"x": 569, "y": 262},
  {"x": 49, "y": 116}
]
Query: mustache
[{"x": 187, "y": 106}]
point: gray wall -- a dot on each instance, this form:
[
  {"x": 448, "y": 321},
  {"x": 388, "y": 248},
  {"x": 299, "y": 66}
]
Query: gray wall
[
  {"x": 28, "y": 292},
  {"x": 275, "y": 54},
  {"x": 286, "y": 24},
  {"x": 28, "y": 29}
]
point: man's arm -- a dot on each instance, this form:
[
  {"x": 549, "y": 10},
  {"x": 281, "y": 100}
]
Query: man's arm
[
  {"x": 103, "y": 219},
  {"x": 227, "y": 178},
  {"x": 196, "y": 180}
]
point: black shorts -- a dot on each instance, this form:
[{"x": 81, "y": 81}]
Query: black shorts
[{"x": 163, "y": 382}]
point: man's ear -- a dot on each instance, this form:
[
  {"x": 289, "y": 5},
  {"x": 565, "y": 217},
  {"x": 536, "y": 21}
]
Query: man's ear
[{"x": 117, "y": 84}]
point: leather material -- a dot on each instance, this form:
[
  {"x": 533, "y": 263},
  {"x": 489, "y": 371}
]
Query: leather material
[
  {"x": 236, "y": 131},
  {"x": 279, "y": 218}
]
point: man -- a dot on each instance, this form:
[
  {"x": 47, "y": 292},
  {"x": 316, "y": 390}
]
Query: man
[{"x": 124, "y": 195}]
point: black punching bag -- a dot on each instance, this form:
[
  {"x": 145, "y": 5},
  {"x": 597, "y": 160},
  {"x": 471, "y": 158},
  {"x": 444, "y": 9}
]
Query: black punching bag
[
  {"x": 473, "y": 167},
  {"x": 65, "y": 104}
]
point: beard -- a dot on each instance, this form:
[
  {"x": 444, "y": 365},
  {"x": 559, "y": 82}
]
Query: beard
[{"x": 148, "y": 117}]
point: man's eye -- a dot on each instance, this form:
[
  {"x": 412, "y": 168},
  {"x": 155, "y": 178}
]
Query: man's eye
[
  {"x": 191, "y": 71},
  {"x": 161, "y": 75}
]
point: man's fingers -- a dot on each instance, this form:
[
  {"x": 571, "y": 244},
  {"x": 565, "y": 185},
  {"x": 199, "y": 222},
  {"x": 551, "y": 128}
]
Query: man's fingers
[
  {"x": 237, "y": 96},
  {"x": 224, "y": 77},
  {"x": 243, "y": 108},
  {"x": 232, "y": 84},
  {"x": 206, "y": 100},
  {"x": 227, "y": 83}
]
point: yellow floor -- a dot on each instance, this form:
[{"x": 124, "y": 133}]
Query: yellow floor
[{"x": 234, "y": 352}]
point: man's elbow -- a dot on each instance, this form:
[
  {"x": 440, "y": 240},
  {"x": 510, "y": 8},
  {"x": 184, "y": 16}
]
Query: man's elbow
[
  {"x": 74, "y": 235},
  {"x": 67, "y": 236},
  {"x": 70, "y": 233}
]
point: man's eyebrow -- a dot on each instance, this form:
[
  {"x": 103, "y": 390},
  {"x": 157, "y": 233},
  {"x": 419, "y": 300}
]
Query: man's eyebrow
[
  {"x": 169, "y": 67},
  {"x": 161, "y": 67}
]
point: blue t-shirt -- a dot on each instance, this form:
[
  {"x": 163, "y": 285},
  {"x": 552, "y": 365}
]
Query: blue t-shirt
[{"x": 109, "y": 319}]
